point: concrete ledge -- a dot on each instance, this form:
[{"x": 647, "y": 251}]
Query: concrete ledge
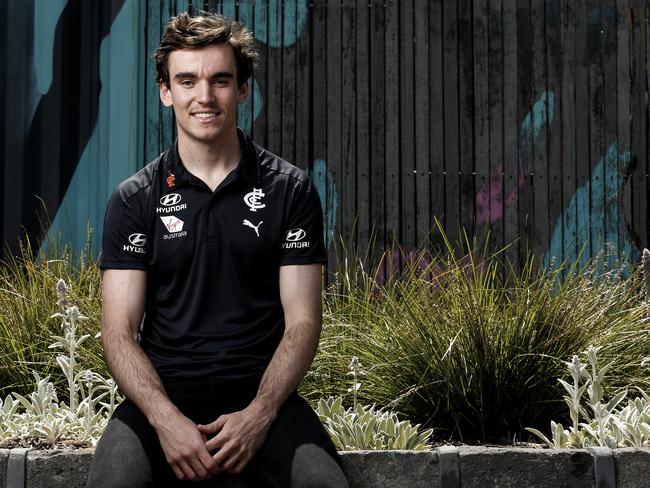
[
  {"x": 514, "y": 468},
  {"x": 632, "y": 468},
  {"x": 479, "y": 467},
  {"x": 4, "y": 459},
  {"x": 370, "y": 469}
]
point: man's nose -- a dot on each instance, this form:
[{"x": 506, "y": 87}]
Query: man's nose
[{"x": 205, "y": 94}]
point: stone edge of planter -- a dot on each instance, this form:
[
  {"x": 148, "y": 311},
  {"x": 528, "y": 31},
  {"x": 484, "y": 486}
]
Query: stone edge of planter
[
  {"x": 629, "y": 463},
  {"x": 501, "y": 466},
  {"x": 4, "y": 460}
]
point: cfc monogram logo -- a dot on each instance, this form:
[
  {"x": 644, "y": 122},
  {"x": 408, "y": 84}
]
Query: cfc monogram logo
[{"x": 253, "y": 200}]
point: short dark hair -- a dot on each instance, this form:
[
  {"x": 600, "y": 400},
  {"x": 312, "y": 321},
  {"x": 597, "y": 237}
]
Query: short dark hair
[{"x": 186, "y": 32}]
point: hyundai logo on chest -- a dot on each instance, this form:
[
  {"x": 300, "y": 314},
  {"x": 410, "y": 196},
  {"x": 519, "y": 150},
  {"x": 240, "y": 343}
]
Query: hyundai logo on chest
[{"x": 171, "y": 203}]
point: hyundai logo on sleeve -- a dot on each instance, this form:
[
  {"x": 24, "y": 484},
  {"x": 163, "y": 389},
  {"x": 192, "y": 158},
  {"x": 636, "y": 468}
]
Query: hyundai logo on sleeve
[
  {"x": 138, "y": 239},
  {"x": 294, "y": 238},
  {"x": 171, "y": 203},
  {"x": 295, "y": 235},
  {"x": 138, "y": 242}
]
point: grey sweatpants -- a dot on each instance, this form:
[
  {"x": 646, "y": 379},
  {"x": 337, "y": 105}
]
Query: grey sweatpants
[{"x": 297, "y": 453}]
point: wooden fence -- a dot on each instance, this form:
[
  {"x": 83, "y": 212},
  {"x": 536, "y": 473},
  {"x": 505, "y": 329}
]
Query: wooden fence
[{"x": 524, "y": 118}]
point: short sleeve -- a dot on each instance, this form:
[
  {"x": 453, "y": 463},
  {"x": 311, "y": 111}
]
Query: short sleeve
[
  {"x": 302, "y": 236},
  {"x": 124, "y": 241}
]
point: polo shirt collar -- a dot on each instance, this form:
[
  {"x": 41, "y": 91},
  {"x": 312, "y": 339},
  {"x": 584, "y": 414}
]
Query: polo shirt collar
[{"x": 248, "y": 168}]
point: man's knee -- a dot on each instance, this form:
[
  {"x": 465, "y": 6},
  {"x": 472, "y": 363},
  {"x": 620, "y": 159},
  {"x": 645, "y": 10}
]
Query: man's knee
[
  {"x": 120, "y": 459},
  {"x": 314, "y": 467}
]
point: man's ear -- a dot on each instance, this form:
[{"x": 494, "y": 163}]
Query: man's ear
[
  {"x": 165, "y": 94},
  {"x": 243, "y": 92}
]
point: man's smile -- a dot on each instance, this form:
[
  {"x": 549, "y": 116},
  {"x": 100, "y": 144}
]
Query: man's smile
[{"x": 207, "y": 116}]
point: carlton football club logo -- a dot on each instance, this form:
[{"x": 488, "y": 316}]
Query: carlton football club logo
[{"x": 254, "y": 200}]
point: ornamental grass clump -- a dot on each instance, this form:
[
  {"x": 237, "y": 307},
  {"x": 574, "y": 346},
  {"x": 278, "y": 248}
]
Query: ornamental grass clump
[{"x": 467, "y": 343}]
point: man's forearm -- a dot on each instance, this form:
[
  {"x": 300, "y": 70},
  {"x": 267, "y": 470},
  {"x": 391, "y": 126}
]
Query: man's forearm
[
  {"x": 136, "y": 376},
  {"x": 288, "y": 365}
]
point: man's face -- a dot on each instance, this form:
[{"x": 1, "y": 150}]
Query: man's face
[{"x": 203, "y": 91}]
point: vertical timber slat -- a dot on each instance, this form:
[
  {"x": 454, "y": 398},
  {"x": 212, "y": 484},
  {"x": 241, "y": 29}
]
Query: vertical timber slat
[
  {"x": 407, "y": 129},
  {"x": 377, "y": 127}
]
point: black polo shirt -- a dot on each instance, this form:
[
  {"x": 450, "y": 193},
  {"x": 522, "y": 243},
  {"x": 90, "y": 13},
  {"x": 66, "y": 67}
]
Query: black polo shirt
[{"x": 212, "y": 258}]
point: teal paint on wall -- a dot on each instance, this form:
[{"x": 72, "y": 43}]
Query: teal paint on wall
[
  {"x": 323, "y": 180},
  {"x": 115, "y": 150},
  {"x": 295, "y": 13},
  {"x": 46, "y": 17},
  {"x": 543, "y": 111},
  {"x": 228, "y": 8},
  {"x": 490, "y": 199},
  {"x": 248, "y": 111},
  {"x": 598, "y": 202},
  {"x": 182, "y": 6}
]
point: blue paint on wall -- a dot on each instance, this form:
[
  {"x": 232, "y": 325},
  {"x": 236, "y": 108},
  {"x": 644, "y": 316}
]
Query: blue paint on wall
[
  {"x": 46, "y": 16},
  {"x": 491, "y": 199},
  {"x": 248, "y": 111},
  {"x": 115, "y": 150},
  {"x": 269, "y": 26},
  {"x": 541, "y": 113},
  {"x": 597, "y": 203},
  {"x": 323, "y": 180}
]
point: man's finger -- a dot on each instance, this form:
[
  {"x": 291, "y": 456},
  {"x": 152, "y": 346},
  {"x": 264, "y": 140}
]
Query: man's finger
[
  {"x": 215, "y": 443},
  {"x": 187, "y": 471},
  {"x": 198, "y": 468},
  {"x": 178, "y": 472},
  {"x": 229, "y": 451},
  {"x": 213, "y": 427},
  {"x": 220, "y": 422},
  {"x": 231, "y": 462},
  {"x": 208, "y": 464}
]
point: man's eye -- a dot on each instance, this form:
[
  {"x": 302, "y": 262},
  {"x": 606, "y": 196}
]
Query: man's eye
[
  {"x": 187, "y": 83},
  {"x": 221, "y": 82}
]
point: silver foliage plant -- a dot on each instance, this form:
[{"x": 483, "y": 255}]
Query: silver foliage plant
[
  {"x": 595, "y": 421},
  {"x": 368, "y": 428},
  {"x": 39, "y": 419}
]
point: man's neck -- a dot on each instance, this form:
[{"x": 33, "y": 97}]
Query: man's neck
[{"x": 211, "y": 162}]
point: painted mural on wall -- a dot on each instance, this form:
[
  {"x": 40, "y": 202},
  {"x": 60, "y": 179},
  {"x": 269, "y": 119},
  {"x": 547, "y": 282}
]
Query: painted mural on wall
[
  {"x": 50, "y": 136},
  {"x": 91, "y": 118},
  {"x": 114, "y": 150},
  {"x": 491, "y": 199},
  {"x": 592, "y": 216}
]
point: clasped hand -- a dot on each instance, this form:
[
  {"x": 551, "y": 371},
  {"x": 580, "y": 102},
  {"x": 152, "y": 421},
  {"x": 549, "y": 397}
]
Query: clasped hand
[
  {"x": 236, "y": 437},
  {"x": 198, "y": 452}
]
